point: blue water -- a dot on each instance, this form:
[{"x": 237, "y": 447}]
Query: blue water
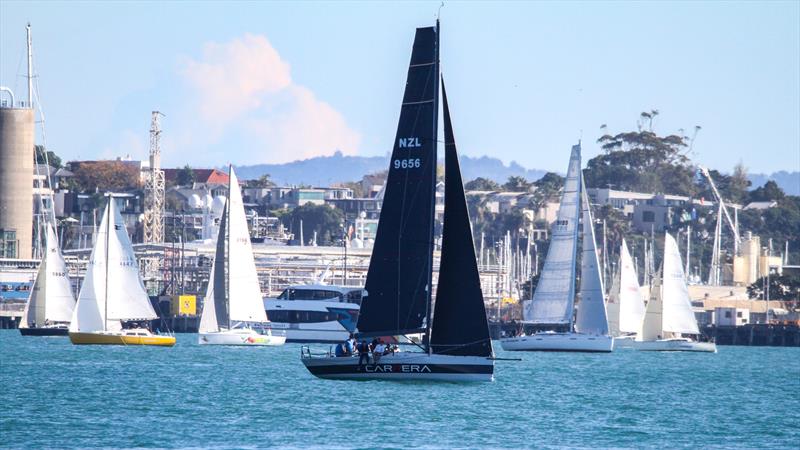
[{"x": 55, "y": 394}]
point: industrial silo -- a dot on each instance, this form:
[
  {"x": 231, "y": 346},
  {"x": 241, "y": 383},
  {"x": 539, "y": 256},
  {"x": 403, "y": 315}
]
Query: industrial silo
[{"x": 16, "y": 179}]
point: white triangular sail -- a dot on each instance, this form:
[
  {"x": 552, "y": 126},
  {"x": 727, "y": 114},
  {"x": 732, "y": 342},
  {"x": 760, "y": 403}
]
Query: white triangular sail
[
  {"x": 215, "y": 304},
  {"x": 678, "y": 314},
  {"x": 244, "y": 290},
  {"x": 630, "y": 303},
  {"x": 591, "y": 317},
  {"x": 112, "y": 289},
  {"x": 553, "y": 299},
  {"x": 612, "y": 305},
  {"x": 652, "y": 326}
]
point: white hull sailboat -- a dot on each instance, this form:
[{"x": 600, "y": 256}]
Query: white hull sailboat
[
  {"x": 551, "y": 309},
  {"x": 49, "y": 308},
  {"x": 112, "y": 293},
  {"x": 457, "y": 345},
  {"x": 668, "y": 319},
  {"x": 233, "y": 301},
  {"x": 625, "y": 304}
]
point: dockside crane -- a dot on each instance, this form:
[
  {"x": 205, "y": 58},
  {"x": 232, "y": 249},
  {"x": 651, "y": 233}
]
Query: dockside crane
[{"x": 713, "y": 278}]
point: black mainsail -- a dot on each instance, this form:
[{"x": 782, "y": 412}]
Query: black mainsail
[
  {"x": 459, "y": 320},
  {"x": 399, "y": 278}
]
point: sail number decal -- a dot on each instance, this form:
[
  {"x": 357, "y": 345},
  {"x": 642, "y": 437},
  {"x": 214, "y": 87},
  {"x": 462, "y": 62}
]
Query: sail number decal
[
  {"x": 410, "y": 142},
  {"x": 410, "y": 163}
]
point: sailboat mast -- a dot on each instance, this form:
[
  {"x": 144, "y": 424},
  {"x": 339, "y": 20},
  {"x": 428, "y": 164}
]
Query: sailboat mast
[
  {"x": 429, "y": 292},
  {"x": 226, "y": 259},
  {"x": 108, "y": 233}
]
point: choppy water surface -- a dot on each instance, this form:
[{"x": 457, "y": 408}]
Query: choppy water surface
[{"x": 59, "y": 395}]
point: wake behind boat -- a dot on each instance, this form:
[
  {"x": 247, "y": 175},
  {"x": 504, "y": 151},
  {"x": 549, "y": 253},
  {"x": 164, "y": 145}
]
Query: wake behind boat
[
  {"x": 457, "y": 346},
  {"x": 551, "y": 309},
  {"x": 233, "y": 309},
  {"x": 49, "y": 308},
  {"x": 112, "y": 293}
]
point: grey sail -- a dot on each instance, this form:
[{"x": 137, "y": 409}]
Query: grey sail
[{"x": 553, "y": 299}]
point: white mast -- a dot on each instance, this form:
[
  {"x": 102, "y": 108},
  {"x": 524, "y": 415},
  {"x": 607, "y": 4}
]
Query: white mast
[{"x": 30, "y": 68}]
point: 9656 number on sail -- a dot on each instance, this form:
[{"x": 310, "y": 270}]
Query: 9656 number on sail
[{"x": 410, "y": 163}]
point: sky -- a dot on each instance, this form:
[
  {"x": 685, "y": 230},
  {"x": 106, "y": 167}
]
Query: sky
[{"x": 271, "y": 82}]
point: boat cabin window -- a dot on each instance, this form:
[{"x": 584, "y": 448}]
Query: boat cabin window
[
  {"x": 310, "y": 294},
  {"x": 287, "y": 316}
]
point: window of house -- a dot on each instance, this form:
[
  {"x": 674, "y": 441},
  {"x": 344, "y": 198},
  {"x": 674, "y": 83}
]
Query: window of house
[{"x": 648, "y": 216}]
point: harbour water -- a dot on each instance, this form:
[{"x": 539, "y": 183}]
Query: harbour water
[{"x": 59, "y": 395}]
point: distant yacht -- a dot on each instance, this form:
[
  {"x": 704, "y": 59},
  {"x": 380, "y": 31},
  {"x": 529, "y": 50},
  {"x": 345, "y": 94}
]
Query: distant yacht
[
  {"x": 550, "y": 310},
  {"x": 112, "y": 294},
  {"x": 315, "y": 312},
  {"x": 49, "y": 308},
  {"x": 233, "y": 309},
  {"x": 457, "y": 345},
  {"x": 669, "y": 316},
  {"x": 625, "y": 304}
]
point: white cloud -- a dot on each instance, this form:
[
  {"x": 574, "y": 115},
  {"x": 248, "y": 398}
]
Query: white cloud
[{"x": 241, "y": 94}]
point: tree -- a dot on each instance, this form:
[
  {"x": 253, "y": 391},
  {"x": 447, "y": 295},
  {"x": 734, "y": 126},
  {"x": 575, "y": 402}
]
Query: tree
[
  {"x": 106, "y": 176},
  {"x": 517, "y": 184},
  {"x": 769, "y": 192},
  {"x": 185, "y": 176},
  {"x": 481, "y": 184},
  {"x": 47, "y": 157},
  {"x": 781, "y": 287},
  {"x": 323, "y": 219},
  {"x": 264, "y": 181},
  {"x": 643, "y": 161}
]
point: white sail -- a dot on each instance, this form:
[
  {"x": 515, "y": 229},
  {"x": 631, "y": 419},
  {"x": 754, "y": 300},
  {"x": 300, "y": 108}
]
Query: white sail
[
  {"x": 553, "y": 299},
  {"x": 652, "y": 327},
  {"x": 215, "y": 304},
  {"x": 208, "y": 320},
  {"x": 591, "y": 317},
  {"x": 112, "y": 284},
  {"x": 612, "y": 305},
  {"x": 678, "y": 314},
  {"x": 630, "y": 303},
  {"x": 246, "y": 304},
  {"x": 51, "y": 297}
]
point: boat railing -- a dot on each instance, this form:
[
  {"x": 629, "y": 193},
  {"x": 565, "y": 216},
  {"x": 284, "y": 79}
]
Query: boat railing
[{"x": 307, "y": 353}]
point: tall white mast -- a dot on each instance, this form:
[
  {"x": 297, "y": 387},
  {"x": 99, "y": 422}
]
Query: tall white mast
[{"x": 30, "y": 68}]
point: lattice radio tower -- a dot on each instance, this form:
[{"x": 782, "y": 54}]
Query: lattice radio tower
[{"x": 154, "y": 187}]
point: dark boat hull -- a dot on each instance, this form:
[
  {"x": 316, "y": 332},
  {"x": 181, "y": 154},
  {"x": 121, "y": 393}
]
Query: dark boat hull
[
  {"x": 44, "y": 331},
  {"x": 402, "y": 366}
]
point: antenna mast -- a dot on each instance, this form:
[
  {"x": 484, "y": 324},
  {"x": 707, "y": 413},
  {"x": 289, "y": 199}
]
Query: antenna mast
[{"x": 154, "y": 187}]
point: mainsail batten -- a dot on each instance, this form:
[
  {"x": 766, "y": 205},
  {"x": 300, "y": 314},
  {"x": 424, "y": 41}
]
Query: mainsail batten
[
  {"x": 398, "y": 280},
  {"x": 459, "y": 321}
]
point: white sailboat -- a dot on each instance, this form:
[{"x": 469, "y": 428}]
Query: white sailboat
[
  {"x": 112, "y": 293},
  {"x": 551, "y": 308},
  {"x": 625, "y": 304},
  {"x": 669, "y": 316},
  {"x": 233, "y": 301},
  {"x": 49, "y": 308}
]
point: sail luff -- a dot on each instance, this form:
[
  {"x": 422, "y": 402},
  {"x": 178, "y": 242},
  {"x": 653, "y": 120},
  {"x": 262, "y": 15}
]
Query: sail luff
[
  {"x": 459, "y": 325},
  {"x": 398, "y": 280},
  {"x": 591, "y": 316},
  {"x": 553, "y": 299}
]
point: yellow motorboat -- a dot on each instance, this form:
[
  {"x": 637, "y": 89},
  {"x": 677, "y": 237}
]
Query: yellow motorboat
[{"x": 137, "y": 336}]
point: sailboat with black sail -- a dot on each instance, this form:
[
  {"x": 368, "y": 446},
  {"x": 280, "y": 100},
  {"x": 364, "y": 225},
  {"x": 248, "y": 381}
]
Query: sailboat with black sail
[
  {"x": 550, "y": 311},
  {"x": 456, "y": 344}
]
